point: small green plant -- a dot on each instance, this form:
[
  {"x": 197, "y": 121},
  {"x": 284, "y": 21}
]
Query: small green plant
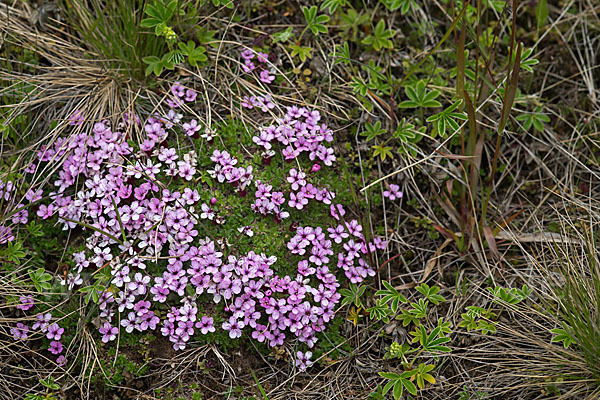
[
  {"x": 380, "y": 38},
  {"x": 159, "y": 17},
  {"x": 50, "y": 392},
  {"x": 420, "y": 97},
  {"x": 427, "y": 338},
  {"x": 403, "y": 5},
  {"x": 314, "y": 22},
  {"x": 446, "y": 120},
  {"x": 537, "y": 119}
]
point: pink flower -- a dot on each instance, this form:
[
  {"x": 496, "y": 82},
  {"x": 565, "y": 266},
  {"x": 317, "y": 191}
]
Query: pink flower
[
  {"x": 45, "y": 211},
  {"x": 20, "y": 332},
  {"x": 303, "y": 360},
  {"x": 394, "y": 192},
  {"x": 26, "y": 303},
  {"x": 76, "y": 118},
  {"x": 54, "y": 332},
  {"x": 266, "y": 77},
  {"x": 108, "y": 332},
  {"x": 56, "y": 347}
]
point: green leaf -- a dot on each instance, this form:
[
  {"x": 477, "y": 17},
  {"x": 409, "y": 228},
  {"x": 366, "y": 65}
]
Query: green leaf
[
  {"x": 332, "y": 5},
  {"x": 353, "y": 295},
  {"x": 391, "y": 294},
  {"x": 541, "y": 13},
  {"x": 382, "y": 151},
  {"x": 194, "y": 54},
  {"x": 380, "y": 38},
  {"x": 157, "y": 65},
  {"x": 420, "y": 97},
  {"x": 403, "y": 5},
  {"x": 445, "y": 120},
  {"x": 372, "y": 130},
  {"x": 562, "y": 335},
  {"x": 431, "y": 293},
  {"x": 283, "y": 36},
  {"x": 14, "y": 252},
  {"x": 302, "y": 52},
  {"x": 41, "y": 279},
  {"x": 315, "y": 22}
]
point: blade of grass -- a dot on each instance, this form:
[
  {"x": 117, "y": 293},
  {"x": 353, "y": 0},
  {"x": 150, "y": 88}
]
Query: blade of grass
[{"x": 262, "y": 391}]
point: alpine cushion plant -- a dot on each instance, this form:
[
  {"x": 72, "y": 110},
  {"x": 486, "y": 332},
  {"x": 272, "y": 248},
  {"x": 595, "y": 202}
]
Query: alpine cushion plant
[{"x": 152, "y": 259}]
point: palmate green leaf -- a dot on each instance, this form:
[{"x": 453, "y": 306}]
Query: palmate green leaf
[
  {"x": 352, "y": 20},
  {"x": 157, "y": 65},
  {"x": 223, "y": 3},
  {"x": 486, "y": 327},
  {"x": 527, "y": 60},
  {"x": 431, "y": 293},
  {"x": 433, "y": 342},
  {"x": 194, "y": 54},
  {"x": 445, "y": 120},
  {"x": 468, "y": 321},
  {"x": 382, "y": 151},
  {"x": 420, "y": 97},
  {"x": 391, "y": 294},
  {"x": 399, "y": 383},
  {"x": 353, "y": 295},
  {"x": 341, "y": 54},
  {"x": 372, "y": 130},
  {"x": 562, "y": 335},
  {"x": 14, "y": 252},
  {"x": 41, "y": 279},
  {"x": 332, "y": 5},
  {"x": 380, "y": 38},
  {"x": 302, "y": 52},
  {"x": 407, "y": 318},
  {"x": 159, "y": 13},
  {"x": 315, "y": 22},
  {"x": 403, "y": 5},
  {"x": 536, "y": 119},
  {"x": 419, "y": 309},
  {"x": 283, "y": 36},
  {"x": 359, "y": 86},
  {"x": 380, "y": 312},
  {"x": 423, "y": 375}
]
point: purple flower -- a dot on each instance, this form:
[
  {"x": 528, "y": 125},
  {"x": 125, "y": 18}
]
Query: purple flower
[
  {"x": 234, "y": 327},
  {"x": 61, "y": 360},
  {"x": 45, "y": 212},
  {"x": 296, "y": 179},
  {"x": 191, "y": 128},
  {"x": 206, "y": 324},
  {"x": 190, "y": 95},
  {"x": 43, "y": 320},
  {"x": 247, "y": 54},
  {"x": 303, "y": 360},
  {"x": 76, "y": 118},
  {"x": 266, "y": 77},
  {"x": 20, "y": 332},
  {"x": 56, "y": 347},
  {"x": 248, "y": 66},
  {"x": 6, "y": 234},
  {"x": 108, "y": 332},
  {"x": 178, "y": 90},
  {"x": 262, "y": 57},
  {"x": 26, "y": 303},
  {"x": 394, "y": 192},
  {"x": 54, "y": 332}
]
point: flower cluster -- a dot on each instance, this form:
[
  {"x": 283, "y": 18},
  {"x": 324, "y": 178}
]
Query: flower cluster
[
  {"x": 43, "y": 324},
  {"x": 149, "y": 240}
]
